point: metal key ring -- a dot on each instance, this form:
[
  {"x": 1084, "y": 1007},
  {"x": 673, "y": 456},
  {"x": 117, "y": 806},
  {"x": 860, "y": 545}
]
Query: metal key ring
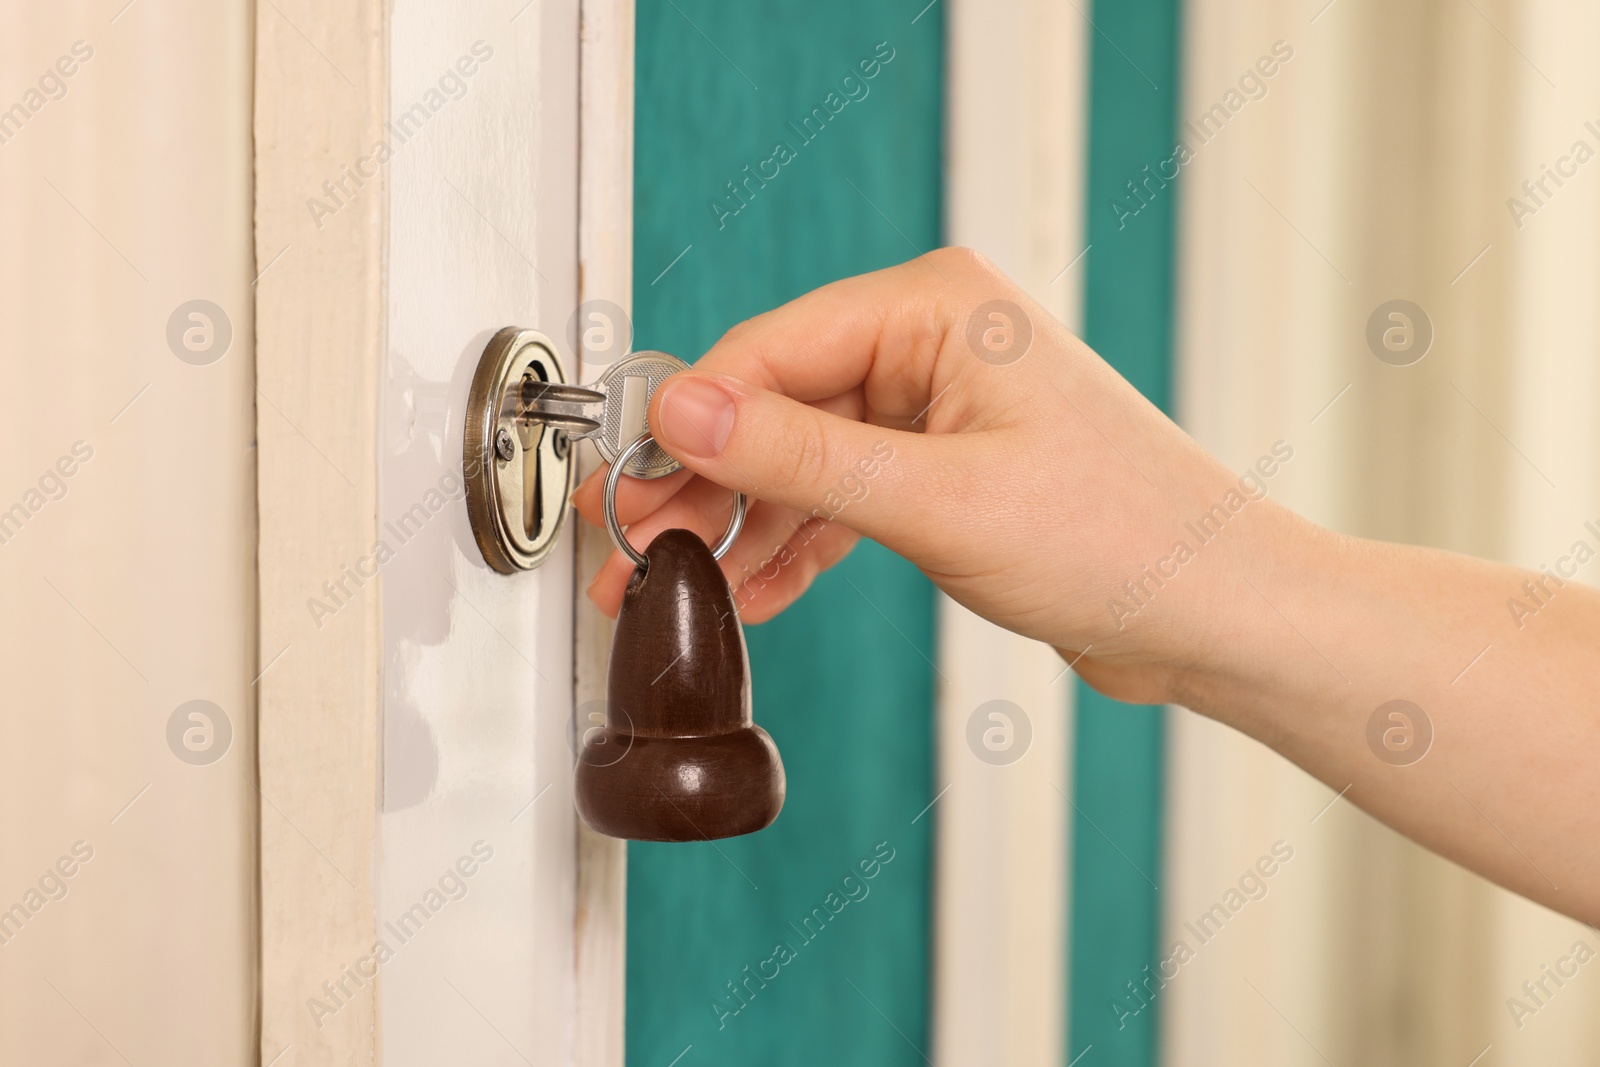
[{"x": 608, "y": 504}]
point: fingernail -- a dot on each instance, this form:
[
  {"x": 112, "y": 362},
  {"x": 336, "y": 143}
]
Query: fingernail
[{"x": 696, "y": 418}]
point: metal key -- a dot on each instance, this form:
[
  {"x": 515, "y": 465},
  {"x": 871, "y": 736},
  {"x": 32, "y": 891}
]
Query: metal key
[{"x": 609, "y": 411}]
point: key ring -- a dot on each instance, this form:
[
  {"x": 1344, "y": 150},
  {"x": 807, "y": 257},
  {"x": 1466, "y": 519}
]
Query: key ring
[{"x": 608, "y": 504}]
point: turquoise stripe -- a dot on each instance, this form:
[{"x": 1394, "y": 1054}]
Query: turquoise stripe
[
  {"x": 1128, "y": 317},
  {"x": 844, "y": 681}
]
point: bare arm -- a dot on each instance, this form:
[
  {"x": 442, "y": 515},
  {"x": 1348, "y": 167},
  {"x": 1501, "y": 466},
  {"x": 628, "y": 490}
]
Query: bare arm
[
  {"x": 936, "y": 409},
  {"x": 1491, "y": 759}
]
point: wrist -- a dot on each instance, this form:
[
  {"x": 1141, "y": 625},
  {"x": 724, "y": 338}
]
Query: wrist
[
  {"x": 1258, "y": 627},
  {"x": 1209, "y": 634}
]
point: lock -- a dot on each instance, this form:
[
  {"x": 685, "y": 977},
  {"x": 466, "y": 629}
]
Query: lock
[
  {"x": 678, "y": 692},
  {"x": 518, "y": 474},
  {"x": 521, "y": 424}
]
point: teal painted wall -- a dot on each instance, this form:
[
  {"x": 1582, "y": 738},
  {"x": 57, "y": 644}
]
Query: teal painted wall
[
  {"x": 843, "y": 685},
  {"x": 1116, "y": 846}
]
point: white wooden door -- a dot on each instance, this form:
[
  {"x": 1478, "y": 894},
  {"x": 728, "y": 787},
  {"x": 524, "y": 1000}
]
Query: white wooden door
[
  {"x": 418, "y": 175},
  {"x": 286, "y": 776},
  {"x": 476, "y": 666}
]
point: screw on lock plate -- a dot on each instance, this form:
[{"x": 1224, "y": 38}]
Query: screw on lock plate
[{"x": 521, "y": 420}]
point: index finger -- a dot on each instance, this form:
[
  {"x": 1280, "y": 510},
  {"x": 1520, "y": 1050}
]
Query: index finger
[{"x": 880, "y": 330}]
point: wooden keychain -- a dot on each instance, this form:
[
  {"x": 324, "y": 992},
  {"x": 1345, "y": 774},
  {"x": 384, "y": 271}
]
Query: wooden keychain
[{"x": 679, "y": 757}]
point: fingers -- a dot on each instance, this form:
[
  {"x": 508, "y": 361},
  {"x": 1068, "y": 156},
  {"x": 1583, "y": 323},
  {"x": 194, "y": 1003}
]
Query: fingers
[
  {"x": 771, "y": 555},
  {"x": 882, "y": 333},
  {"x": 636, "y": 497},
  {"x": 834, "y": 338},
  {"x": 896, "y": 487},
  {"x": 773, "y": 562},
  {"x": 701, "y": 507},
  {"x": 802, "y": 407},
  {"x": 762, "y": 590}
]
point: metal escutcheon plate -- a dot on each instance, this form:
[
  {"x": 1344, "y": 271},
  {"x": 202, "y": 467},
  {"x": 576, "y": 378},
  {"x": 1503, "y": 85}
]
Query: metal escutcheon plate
[{"x": 518, "y": 474}]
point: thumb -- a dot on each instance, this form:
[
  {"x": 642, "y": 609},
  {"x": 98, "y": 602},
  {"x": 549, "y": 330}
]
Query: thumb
[{"x": 870, "y": 478}]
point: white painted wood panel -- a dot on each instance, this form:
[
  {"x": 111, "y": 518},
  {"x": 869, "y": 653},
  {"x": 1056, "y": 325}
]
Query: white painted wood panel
[
  {"x": 418, "y": 165},
  {"x": 477, "y": 665}
]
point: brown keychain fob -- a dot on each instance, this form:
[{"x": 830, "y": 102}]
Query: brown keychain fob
[{"x": 679, "y": 757}]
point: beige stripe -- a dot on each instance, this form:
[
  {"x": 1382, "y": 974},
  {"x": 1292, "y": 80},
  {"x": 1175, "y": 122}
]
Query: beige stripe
[
  {"x": 1014, "y": 174},
  {"x": 1551, "y": 412},
  {"x": 1377, "y": 167},
  {"x": 128, "y": 576}
]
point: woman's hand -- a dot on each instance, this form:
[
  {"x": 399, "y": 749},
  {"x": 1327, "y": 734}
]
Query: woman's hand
[{"x": 936, "y": 409}]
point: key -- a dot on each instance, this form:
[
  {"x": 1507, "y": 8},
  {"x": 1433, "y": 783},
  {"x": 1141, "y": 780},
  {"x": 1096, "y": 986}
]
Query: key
[{"x": 610, "y": 411}]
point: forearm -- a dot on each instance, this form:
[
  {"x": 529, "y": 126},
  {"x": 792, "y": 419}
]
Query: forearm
[{"x": 1320, "y": 631}]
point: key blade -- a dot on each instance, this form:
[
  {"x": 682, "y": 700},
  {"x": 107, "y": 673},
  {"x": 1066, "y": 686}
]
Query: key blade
[{"x": 578, "y": 411}]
